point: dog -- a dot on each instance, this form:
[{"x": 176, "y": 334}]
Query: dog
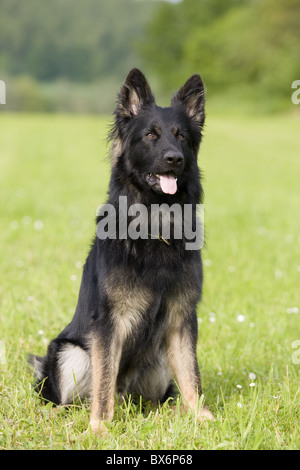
[{"x": 134, "y": 330}]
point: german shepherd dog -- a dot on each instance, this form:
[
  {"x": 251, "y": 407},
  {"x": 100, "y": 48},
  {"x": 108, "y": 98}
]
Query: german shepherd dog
[{"x": 134, "y": 330}]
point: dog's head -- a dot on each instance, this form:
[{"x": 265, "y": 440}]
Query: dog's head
[{"x": 157, "y": 146}]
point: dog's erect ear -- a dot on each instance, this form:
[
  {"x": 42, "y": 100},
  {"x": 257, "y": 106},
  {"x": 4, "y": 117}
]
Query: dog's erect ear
[
  {"x": 191, "y": 96},
  {"x": 134, "y": 94}
]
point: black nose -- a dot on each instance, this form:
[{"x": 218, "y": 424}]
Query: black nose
[{"x": 173, "y": 158}]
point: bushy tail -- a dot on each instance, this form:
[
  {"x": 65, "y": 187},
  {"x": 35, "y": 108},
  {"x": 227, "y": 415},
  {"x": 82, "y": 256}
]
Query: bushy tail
[{"x": 37, "y": 364}]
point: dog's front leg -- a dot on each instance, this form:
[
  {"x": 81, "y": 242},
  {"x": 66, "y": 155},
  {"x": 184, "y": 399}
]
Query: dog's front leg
[
  {"x": 182, "y": 343},
  {"x": 105, "y": 365}
]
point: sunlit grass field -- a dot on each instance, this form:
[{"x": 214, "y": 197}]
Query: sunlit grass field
[{"x": 54, "y": 174}]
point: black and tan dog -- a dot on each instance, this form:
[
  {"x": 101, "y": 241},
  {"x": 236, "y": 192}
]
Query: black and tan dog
[{"x": 135, "y": 327}]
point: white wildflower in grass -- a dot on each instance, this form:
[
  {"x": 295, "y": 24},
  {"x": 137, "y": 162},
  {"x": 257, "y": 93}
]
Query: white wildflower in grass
[
  {"x": 239, "y": 386},
  {"x": 289, "y": 238},
  {"x": 262, "y": 231},
  {"x": 212, "y": 317},
  {"x": 73, "y": 277},
  {"x": 200, "y": 320},
  {"x": 41, "y": 332},
  {"x": 292, "y": 310},
  {"x": 207, "y": 262},
  {"x": 252, "y": 324},
  {"x": 278, "y": 274},
  {"x": 14, "y": 225},
  {"x": 252, "y": 384},
  {"x": 252, "y": 376},
  {"x": 30, "y": 298},
  {"x": 26, "y": 220},
  {"x": 78, "y": 264},
  {"x": 240, "y": 318},
  {"x": 239, "y": 405},
  {"x": 38, "y": 225},
  {"x": 231, "y": 269}
]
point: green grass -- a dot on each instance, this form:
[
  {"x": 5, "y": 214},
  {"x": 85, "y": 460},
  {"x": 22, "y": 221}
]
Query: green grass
[{"x": 53, "y": 176}]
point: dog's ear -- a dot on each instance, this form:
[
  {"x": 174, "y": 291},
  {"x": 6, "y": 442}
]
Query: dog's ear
[
  {"x": 134, "y": 94},
  {"x": 192, "y": 97}
]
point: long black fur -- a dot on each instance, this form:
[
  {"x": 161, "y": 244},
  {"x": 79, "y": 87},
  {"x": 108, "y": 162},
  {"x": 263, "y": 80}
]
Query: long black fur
[{"x": 142, "y": 135}]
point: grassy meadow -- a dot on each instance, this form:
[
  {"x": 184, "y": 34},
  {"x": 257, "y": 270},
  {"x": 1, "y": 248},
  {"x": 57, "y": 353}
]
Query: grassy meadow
[{"x": 54, "y": 174}]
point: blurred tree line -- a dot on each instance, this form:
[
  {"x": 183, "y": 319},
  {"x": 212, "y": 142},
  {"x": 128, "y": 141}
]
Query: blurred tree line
[
  {"x": 75, "y": 39},
  {"x": 69, "y": 55},
  {"x": 58, "y": 55},
  {"x": 247, "y": 49}
]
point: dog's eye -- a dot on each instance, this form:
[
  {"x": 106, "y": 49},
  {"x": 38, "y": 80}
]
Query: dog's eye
[
  {"x": 150, "y": 135},
  {"x": 180, "y": 137}
]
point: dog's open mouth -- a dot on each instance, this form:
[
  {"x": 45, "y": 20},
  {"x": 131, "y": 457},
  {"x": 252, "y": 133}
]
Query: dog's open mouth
[{"x": 166, "y": 182}]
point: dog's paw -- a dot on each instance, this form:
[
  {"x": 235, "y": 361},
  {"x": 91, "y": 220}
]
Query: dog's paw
[
  {"x": 96, "y": 426},
  {"x": 205, "y": 415}
]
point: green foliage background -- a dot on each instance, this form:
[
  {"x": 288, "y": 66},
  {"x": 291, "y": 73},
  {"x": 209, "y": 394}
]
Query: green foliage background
[
  {"x": 73, "y": 55},
  {"x": 79, "y": 41},
  {"x": 251, "y": 47}
]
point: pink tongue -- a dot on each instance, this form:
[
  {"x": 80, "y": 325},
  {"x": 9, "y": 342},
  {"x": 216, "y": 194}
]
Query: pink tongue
[{"x": 168, "y": 184}]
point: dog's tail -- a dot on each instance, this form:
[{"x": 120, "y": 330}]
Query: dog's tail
[
  {"x": 37, "y": 364},
  {"x": 41, "y": 385}
]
